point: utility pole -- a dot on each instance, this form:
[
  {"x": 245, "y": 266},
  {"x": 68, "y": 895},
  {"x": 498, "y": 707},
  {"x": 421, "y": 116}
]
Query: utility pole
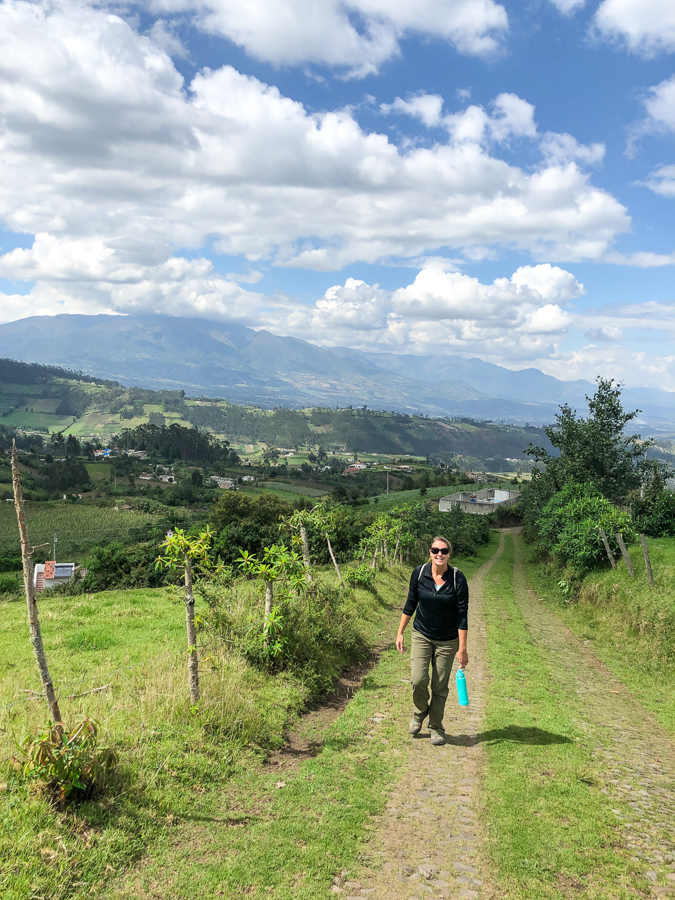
[
  {"x": 387, "y": 481},
  {"x": 55, "y": 541},
  {"x": 33, "y": 619}
]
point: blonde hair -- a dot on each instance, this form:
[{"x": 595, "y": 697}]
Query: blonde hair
[{"x": 439, "y": 537}]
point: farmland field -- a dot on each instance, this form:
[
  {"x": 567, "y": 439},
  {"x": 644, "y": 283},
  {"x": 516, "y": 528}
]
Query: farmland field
[{"x": 78, "y": 527}]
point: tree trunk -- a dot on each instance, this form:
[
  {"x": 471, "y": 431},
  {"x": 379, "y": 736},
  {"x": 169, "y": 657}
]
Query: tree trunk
[
  {"x": 33, "y": 619},
  {"x": 398, "y": 541},
  {"x": 269, "y": 604},
  {"x": 372, "y": 565},
  {"x": 385, "y": 550},
  {"x": 307, "y": 562},
  {"x": 332, "y": 556},
  {"x": 193, "y": 660}
]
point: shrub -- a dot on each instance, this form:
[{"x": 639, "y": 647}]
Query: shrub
[
  {"x": 362, "y": 576},
  {"x": 72, "y": 765},
  {"x": 569, "y": 526}
]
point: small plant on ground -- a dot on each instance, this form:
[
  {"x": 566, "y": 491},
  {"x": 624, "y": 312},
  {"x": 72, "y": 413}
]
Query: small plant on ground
[
  {"x": 72, "y": 765},
  {"x": 362, "y": 576}
]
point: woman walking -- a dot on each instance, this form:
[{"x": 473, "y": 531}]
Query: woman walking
[{"x": 440, "y": 595}]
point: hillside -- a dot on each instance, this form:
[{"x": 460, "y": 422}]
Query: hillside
[
  {"x": 48, "y": 399},
  {"x": 217, "y": 359}
]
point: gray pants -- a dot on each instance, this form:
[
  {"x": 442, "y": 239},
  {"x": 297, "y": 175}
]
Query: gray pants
[{"x": 440, "y": 655}]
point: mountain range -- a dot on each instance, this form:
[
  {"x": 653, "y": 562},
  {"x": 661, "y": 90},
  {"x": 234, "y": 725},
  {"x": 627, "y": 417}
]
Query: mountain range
[{"x": 217, "y": 359}]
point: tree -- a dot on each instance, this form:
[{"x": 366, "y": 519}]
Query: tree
[
  {"x": 277, "y": 563},
  {"x": 33, "y": 618},
  {"x": 300, "y": 520},
  {"x": 181, "y": 550},
  {"x": 594, "y": 449}
]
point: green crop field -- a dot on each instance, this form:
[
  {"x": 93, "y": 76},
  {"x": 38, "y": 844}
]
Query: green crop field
[{"x": 78, "y": 528}]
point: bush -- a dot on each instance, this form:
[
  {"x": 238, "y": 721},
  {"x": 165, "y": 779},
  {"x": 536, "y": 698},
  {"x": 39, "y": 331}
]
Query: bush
[
  {"x": 569, "y": 526},
  {"x": 313, "y": 635},
  {"x": 655, "y": 515},
  {"x": 72, "y": 765},
  {"x": 362, "y": 576}
]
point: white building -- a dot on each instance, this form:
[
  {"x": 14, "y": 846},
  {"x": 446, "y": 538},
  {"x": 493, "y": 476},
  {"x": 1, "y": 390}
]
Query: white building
[
  {"x": 50, "y": 574},
  {"x": 480, "y": 503}
]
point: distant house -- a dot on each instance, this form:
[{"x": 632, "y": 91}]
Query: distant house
[
  {"x": 226, "y": 484},
  {"x": 354, "y": 469},
  {"x": 50, "y": 574},
  {"x": 146, "y": 476},
  {"x": 167, "y": 479},
  {"x": 248, "y": 478},
  {"x": 480, "y": 503}
]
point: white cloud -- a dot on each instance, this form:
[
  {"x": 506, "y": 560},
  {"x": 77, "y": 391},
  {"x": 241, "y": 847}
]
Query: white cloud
[
  {"x": 646, "y": 27},
  {"x": 441, "y": 311},
  {"x": 567, "y": 7},
  {"x": 662, "y": 181},
  {"x": 635, "y": 368},
  {"x": 561, "y": 149},
  {"x": 297, "y": 32},
  {"x": 425, "y": 107},
  {"x": 608, "y": 333},
  {"x": 115, "y": 167}
]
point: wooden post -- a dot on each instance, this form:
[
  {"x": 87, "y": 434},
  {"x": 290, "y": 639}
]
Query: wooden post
[
  {"x": 647, "y": 560},
  {"x": 398, "y": 541},
  {"x": 193, "y": 660},
  {"x": 624, "y": 553},
  {"x": 332, "y": 556},
  {"x": 306, "y": 560},
  {"x": 33, "y": 619},
  {"x": 610, "y": 555}
]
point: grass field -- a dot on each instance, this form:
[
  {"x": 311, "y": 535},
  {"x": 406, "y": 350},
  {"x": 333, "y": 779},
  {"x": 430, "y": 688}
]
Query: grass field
[
  {"x": 182, "y": 769},
  {"x": 78, "y": 527}
]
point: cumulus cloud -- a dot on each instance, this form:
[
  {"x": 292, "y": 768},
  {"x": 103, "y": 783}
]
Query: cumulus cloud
[
  {"x": 116, "y": 167},
  {"x": 606, "y": 333},
  {"x": 662, "y": 181},
  {"x": 297, "y": 32},
  {"x": 510, "y": 318},
  {"x": 646, "y": 27},
  {"x": 425, "y": 107},
  {"x": 567, "y": 7}
]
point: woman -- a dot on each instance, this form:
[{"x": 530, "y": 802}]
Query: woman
[{"x": 440, "y": 594}]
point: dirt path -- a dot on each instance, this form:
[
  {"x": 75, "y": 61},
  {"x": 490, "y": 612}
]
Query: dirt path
[
  {"x": 426, "y": 843},
  {"x": 635, "y": 755}
]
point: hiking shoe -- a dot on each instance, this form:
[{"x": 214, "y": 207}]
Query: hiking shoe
[
  {"x": 416, "y": 723},
  {"x": 437, "y": 738}
]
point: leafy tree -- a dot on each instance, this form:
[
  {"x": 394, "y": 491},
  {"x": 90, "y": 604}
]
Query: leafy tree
[
  {"x": 569, "y": 526},
  {"x": 183, "y": 551},
  {"x": 277, "y": 564},
  {"x": 594, "y": 448}
]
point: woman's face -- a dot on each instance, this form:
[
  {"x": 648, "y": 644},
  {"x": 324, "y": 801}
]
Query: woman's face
[{"x": 439, "y": 552}]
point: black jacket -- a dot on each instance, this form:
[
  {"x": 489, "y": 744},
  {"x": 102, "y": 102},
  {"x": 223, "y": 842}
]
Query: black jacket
[{"x": 439, "y": 613}]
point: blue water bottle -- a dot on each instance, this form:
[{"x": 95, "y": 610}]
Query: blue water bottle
[{"x": 462, "y": 693}]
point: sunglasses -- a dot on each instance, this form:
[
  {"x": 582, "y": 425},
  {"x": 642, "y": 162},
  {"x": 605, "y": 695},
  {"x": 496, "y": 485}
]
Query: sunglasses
[{"x": 443, "y": 550}]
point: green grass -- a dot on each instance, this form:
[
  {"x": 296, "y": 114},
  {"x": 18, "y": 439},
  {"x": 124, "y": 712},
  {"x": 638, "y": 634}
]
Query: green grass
[
  {"x": 187, "y": 776},
  {"x": 77, "y": 526},
  {"x": 98, "y": 471},
  {"x": 630, "y": 625},
  {"x": 544, "y": 819}
]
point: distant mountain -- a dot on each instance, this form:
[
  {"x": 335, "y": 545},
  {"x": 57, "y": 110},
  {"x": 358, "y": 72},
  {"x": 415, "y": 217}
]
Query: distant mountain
[{"x": 219, "y": 359}]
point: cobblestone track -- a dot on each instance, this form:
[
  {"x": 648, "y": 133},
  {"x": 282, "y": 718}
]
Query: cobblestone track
[
  {"x": 635, "y": 754},
  {"x": 427, "y": 842}
]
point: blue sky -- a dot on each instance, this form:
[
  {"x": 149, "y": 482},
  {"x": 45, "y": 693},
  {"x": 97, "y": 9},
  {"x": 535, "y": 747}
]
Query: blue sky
[{"x": 451, "y": 176}]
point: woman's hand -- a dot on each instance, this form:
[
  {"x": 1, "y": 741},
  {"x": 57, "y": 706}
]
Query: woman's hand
[
  {"x": 462, "y": 658},
  {"x": 400, "y": 646}
]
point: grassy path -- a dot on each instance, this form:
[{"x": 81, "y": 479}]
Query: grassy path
[{"x": 580, "y": 779}]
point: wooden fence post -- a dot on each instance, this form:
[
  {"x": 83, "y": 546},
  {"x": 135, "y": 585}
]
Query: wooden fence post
[
  {"x": 610, "y": 555},
  {"x": 33, "y": 618},
  {"x": 624, "y": 553},
  {"x": 647, "y": 560}
]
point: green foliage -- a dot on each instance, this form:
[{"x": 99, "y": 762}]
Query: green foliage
[
  {"x": 71, "y": 764},
  {"x": 362, "y": 576},
  {"x": 242, "y": 522},
  {"x": 569, "y": 526},
  {"x": 180, "y": 546},
  {"x": 594, "y": 449},
  {"x": 174, "y": 441},
  {"x": 112, "y": 566}
]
